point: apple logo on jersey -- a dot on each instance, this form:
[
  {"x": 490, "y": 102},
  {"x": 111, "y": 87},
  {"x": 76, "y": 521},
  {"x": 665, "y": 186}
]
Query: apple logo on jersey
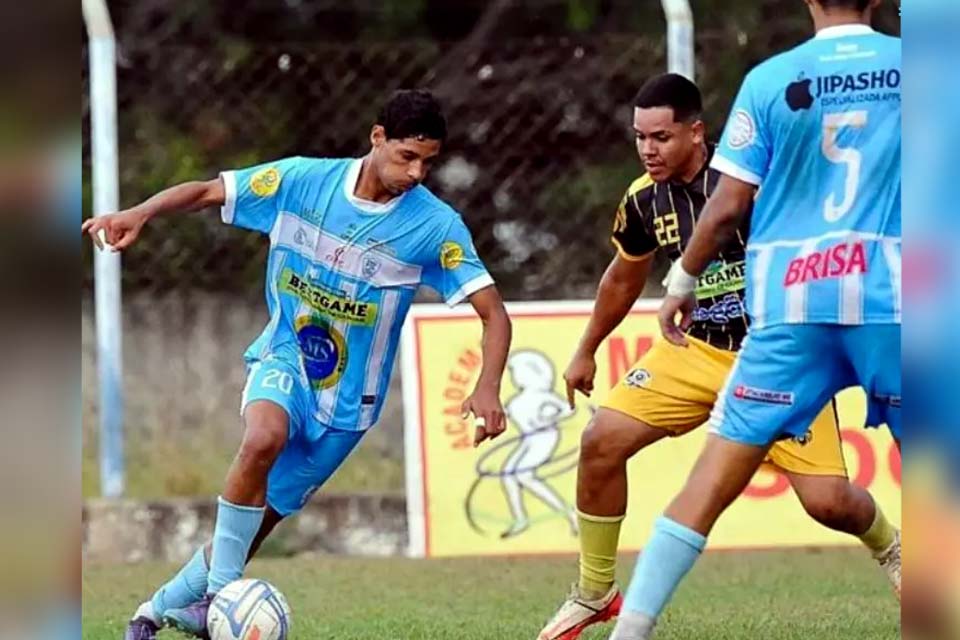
[{"x": 799, "y": 95}]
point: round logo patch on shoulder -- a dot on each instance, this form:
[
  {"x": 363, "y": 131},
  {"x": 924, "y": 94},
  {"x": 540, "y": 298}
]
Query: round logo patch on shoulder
[
  {"x": 451, "y": 255},
  {"x": 265, "y": 182},
  {"x": 743, "y": 131}
]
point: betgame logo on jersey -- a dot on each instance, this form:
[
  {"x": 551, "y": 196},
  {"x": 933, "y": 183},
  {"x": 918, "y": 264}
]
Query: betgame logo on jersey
[
  {"x": 840, "y": 89},
  {"x": 328, "y": 302},
  {"x": 833, "y": 262},
  {"x": 721, "y": 278}
]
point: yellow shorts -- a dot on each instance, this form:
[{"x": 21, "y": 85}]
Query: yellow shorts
[{"x": 674, "y": 388}]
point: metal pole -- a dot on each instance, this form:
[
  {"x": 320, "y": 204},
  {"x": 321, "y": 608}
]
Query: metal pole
[
  {"x": 680, "y": 46},
  {"x": 103, "y": 124}
]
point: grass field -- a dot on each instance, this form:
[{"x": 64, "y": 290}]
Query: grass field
[{"x": 769, "y": 595}]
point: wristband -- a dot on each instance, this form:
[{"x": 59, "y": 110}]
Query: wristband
[{"x": 679, "y": 282}]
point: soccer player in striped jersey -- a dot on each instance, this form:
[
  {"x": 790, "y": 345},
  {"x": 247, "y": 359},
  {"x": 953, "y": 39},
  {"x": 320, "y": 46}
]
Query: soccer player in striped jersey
[
  {"x": 817, "y": 131},
  {"x": 351, "y": 240},
  {"x": 671, "y": 390}
]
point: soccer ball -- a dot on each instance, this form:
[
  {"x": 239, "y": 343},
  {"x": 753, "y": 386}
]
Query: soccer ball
[{"x": 249, "y": 610}]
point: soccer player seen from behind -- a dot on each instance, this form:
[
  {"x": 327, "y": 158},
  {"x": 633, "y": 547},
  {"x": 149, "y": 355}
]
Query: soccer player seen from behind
[
  {"x": 817, "y": 130},
  {"x": 672, "y": 389},
  {"x": 350, "y": 242}
]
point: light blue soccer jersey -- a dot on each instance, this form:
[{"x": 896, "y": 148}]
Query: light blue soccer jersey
[
  {"x": 818, "y": 130},
  {"x": 341, "y": 276}
]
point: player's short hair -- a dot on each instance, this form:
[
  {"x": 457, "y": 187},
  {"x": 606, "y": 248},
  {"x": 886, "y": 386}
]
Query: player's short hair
[
  {"x": 859, "y": 5},
  {"x": 674, "y": 91},
  {"x": 413, "y": 113}
]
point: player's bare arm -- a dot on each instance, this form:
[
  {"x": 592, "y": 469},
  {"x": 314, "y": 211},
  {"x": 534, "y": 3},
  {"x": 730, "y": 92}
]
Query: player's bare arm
[
  {"x": 721, "y": 217},
  {"x": 121, "y": 229},
  {"x": 621, "y": 285},
  {"x": 484, "y": 403}
]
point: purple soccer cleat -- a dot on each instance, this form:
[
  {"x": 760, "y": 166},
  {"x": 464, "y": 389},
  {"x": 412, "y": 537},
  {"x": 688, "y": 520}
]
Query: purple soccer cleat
[
  {"x": 191, "y": 619},
  {"x": 141, "y": 628}
]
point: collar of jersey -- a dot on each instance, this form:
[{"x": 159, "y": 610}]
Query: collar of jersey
[
  {"x": 844, "y": 30},
  {"x": 350, "y": 185}
]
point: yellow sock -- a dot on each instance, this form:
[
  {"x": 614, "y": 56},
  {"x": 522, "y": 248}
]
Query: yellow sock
[
  {"x": 881, "y": 533},
  {"x": 599, "y": 537}
]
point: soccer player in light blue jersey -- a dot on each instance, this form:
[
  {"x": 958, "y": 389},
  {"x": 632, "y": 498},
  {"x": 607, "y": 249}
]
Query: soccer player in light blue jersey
[
  {"x": 351, "y": 240},
  {"x": 817, "y": 131}
]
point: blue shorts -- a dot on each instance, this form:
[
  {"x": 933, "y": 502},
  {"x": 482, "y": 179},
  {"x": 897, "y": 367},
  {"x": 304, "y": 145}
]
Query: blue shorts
[
  {"x": 313, "y": 451},
  {"x": 785, "y": 374}
]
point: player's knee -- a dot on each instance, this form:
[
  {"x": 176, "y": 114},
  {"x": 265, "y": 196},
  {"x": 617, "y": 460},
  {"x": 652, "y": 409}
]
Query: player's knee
[
  {"x": 830, "y": 504},
  {"x": 263, "y": 440},
  {"x": 602, "y": 444}
]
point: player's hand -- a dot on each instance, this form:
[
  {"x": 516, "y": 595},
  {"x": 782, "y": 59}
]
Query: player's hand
[
  {"x": 672, "y": 305},
  {"x": 484, "y": 404},
  {"x": 119, "y": 230},
  {"x": 579, "y": 376}
]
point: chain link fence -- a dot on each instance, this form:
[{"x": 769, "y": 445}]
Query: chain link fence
[{"x": 538, "y": 98}]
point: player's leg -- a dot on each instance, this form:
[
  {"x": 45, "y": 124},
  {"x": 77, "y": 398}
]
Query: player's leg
[
  {"x": 816, "y": 468},
  {"x": 874, "y": 352},
  {"x": 764, "y": 399},
  {"x": 837, "y": 503},
  {"x": 306, "y": 465},
  {"x": 267, "y": 386},
  {"x": 669, "y": 391},
  {"x": 189, "y": 585},
  {"x": 817, "y": 471},
  {"x": 609, "y": 441},
  {"x": 272, "y": 406}
]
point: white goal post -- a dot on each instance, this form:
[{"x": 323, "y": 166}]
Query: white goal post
[
  {"x": 103, "y": 127},
  {"x": 680, "y": 43}
]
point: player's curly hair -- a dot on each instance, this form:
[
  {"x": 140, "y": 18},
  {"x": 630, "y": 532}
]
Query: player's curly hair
[
  {"x": 674, "y": 91},
  {"x": 413, "y": 113}
]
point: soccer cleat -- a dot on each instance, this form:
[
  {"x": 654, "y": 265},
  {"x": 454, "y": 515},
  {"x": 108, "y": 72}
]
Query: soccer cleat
[
  {"x": 576, "y": 614},
  {"x": 141, "y": 628},
  {"x": 191, "y": 619},
  {"x": 889, "y": 560}
]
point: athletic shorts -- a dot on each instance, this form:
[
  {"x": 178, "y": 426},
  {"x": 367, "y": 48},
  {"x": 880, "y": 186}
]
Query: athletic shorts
[
  {"x": 786, "y": 372},
  {"x": 675, "y": 389},
  {"x": 313, "y": 451}
]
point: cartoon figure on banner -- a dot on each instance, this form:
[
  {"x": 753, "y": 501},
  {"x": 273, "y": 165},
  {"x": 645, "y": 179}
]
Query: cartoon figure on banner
[{"x": 537, "y": 411}]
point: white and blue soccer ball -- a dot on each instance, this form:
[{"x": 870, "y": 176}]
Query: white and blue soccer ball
[{"x": 249, "y": 610}]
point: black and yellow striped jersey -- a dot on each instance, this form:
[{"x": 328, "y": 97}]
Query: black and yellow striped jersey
[{"x": 655, "y": 216}]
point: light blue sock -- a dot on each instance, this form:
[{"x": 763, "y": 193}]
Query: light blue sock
[
  {"x": 664, "y": 562},
  {"x": 186, "y": 587},
  {"x": 236, "y": 528}
]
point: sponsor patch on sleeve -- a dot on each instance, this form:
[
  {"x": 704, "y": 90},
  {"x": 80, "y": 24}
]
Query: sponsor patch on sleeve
[
  {"x": 743, "y": 130},
  {"x": 264, "y": 183}
]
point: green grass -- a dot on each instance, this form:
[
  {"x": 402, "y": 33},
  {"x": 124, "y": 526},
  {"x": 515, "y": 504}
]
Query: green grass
[{"x": 769, "y": 595}]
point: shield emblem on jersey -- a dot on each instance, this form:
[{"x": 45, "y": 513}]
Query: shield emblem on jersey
[{"x": 370, "y": 267}]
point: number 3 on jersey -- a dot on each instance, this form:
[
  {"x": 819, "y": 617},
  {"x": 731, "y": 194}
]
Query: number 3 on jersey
[{"x": 832, "y": 123}]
